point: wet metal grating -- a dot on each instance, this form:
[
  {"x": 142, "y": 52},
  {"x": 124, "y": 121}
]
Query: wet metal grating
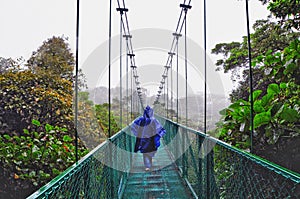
[{"x": 163, "y": 181}]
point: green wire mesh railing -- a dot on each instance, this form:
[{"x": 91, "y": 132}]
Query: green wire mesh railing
[
  {"x": 210, "y": 168},
  {"x": 100, "y": 174},
  {"x": 214, "y": 169}
]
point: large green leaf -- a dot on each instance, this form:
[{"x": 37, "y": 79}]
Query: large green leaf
[
  {"x": 36, "y": 122},
  {"x": 256, "y": 94},
  {"x": 277, "y": 108},
  {"x": 273, "y": 89},
  {"x": 7, "y": 137},
  {"x": 48, "y": 127},
  {"x": 289, "y": 115},
  {"x": 261, "y": 119},
  {"x": 234, "y": 106},
  {"x": 290, "y": 68},
  {"x": 257, "y": 107},
  {"x": 266, "y": 99},
  {"x": 283, "y": 85},
  {"x": 67, "y": 138},
  {"x": 223, "y": 111}
]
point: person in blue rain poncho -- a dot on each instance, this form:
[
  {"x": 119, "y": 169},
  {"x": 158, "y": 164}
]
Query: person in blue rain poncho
[{"x": 148, "y": 132}]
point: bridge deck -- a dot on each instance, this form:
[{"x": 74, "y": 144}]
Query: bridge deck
[{"x": 163, "y": 181}]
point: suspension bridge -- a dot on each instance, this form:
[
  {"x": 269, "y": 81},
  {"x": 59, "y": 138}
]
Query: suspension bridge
[{"x": 188, "y": 164}]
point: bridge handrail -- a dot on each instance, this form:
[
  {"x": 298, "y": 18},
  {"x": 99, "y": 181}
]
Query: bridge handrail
[
  {"x": 92, "y": 178},
  {"x": 73, "y": 168},
  {"x": 66, "y": 173},
  {"x": 270, "y": 165}
]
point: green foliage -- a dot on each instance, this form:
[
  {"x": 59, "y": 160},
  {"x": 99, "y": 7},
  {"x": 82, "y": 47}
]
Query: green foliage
[
  {"x": 37, "y": 100},
  {"x": 266, "y": 37},
  {"x": 268, "y": 40},
  {"x": 276, "y": 63},
  {"x": 232, "y": 53},
  {"x": 93, "y": 122},
  {"x": 38, "y": 157},
  {"x": 102, "y": 117},
  {"x": 54, "y": 58},
  {"x": 25, "y": 96},
  {"x": 36, "y": 122},
  {"x": 286, "y": 10},
  {"x": 89, "y": 130},
  {"x": 277, "y": 112},
  {"x": 236, "y": 124},
  {"x": 8, "y": 65}
]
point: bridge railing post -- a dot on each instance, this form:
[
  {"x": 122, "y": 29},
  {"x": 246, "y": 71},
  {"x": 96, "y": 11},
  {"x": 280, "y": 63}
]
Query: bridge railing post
[
  {"x": 200, "y": 165},
  {"x": 111, "y": 172}
]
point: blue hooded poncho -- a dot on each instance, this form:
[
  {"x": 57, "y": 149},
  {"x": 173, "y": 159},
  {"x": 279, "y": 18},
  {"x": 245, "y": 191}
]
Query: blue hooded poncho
[{"x": 148, "y": 132}]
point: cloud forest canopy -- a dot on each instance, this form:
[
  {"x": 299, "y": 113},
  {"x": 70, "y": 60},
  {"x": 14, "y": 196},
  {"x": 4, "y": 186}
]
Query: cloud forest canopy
[{"x": 276, "y": 63}]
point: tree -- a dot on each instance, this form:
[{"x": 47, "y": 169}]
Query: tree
[
  {"x": 43, "y": 94},
  {"x": 103, "y": 119},
  {"x": 8, "y": 64},
  {"x": 89, "y": 130},
  {"x": 33, "y": 159},
  {"x": 25, "y": 96},
  {"x": 276, "y": 110},
  {"x": 286, "y": 10},
  {"x": 53, "y": 58},
  {"x": 266, "y": 37},
  {"x": 276, "y": 63}
]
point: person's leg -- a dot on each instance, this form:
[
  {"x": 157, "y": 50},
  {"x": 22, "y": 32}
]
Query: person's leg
[{"x": 147, "y": 160}]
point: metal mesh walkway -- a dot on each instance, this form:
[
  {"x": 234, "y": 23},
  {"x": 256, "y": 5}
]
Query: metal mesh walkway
[{"x": 163, "y": 181}]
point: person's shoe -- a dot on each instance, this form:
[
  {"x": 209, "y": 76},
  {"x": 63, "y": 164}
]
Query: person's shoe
[{"x": 147, "y": 169}]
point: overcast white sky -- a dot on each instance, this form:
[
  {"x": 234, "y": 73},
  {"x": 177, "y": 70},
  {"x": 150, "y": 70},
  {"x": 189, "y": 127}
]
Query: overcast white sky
[{"x": 26, "y": 24}]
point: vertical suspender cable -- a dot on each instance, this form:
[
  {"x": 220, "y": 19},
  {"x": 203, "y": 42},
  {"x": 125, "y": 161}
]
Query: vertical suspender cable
[
  {"x": 250, "y": 79},
  {"x": 186, "y": 87},
  {"x": 185, "y": 64},
  {"x": 205, "y": 72},
  {"x": 76, "y": 82},
  {"x": 205, "y": 107},
  {"x": 177, "y": 79},
  {"x": 136, "y": 102},
  {"x": 127, "y": 119},
  {"x": 121, "y": 10},
  {"x": 121, "y": 39},
  {"x": 131, "y": 90},
  {"x": 127, "y": 97},
  {"x": 165, "y": 97},
  {"x": 167, "y": 91},
  {"x": 109, "y": 70},
  {"x": 109, "y": 97},
  {"x": 171, "y": 69},
  {"x": 185, "y": 8}
]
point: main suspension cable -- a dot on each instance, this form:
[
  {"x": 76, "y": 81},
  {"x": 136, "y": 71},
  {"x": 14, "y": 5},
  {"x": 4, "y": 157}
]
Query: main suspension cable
[
  {"x": 174, "y": 45},
  {"x": 129, "y": 49}
]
